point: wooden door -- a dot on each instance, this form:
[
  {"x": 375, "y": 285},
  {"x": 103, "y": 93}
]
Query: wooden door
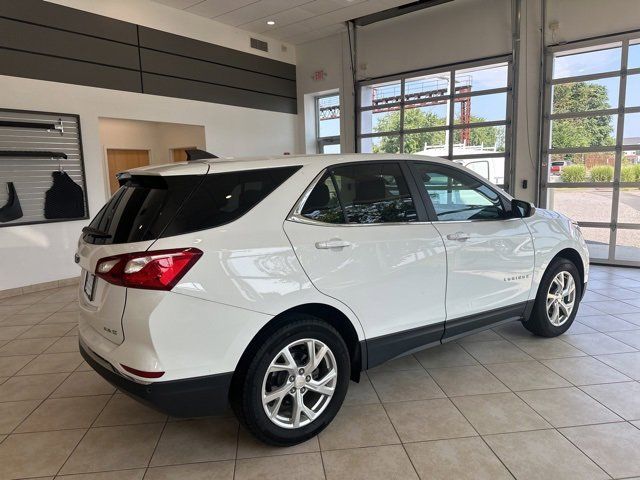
[
  {"x": 121, "y": 160},
  {"x": 180, "y": 154}
]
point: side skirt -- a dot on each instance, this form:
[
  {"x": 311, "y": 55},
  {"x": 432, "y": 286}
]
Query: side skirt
[
  {"x": 381, "y": 349},
  {"x": 463, "y": 326}
]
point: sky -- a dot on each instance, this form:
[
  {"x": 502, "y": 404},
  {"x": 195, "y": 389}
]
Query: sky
[{"x": 601, "y": 61}]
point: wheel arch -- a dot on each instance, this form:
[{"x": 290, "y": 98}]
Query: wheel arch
[
  {"x": 574, "y": 257},
  {"x": 327, "y": 313}
]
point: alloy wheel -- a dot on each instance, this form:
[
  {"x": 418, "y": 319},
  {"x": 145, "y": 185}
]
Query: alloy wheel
[
  {"x": 561, "y": 298},
  {"x": 299, "y": 383}
]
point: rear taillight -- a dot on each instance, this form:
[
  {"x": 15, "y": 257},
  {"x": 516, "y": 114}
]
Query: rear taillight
[{"x": 154, "y": 270}]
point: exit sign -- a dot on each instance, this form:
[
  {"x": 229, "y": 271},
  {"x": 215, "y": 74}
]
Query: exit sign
[{"x": 318, "y": 75}]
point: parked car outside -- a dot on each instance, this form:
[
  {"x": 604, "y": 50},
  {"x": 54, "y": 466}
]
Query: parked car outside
[{"x": 558, "y": 165}]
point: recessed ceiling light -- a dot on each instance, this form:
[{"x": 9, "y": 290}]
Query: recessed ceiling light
[{"x": 271, "y": 22}]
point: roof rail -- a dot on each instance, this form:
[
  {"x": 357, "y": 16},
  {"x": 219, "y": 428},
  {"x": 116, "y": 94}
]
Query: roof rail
[{"x": 195, "y": 154}]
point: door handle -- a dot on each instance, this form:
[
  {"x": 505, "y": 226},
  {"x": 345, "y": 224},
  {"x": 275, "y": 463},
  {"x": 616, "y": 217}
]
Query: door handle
[
  {"x": 333, "y": 243},
  {"x": 459, "y": 236}
]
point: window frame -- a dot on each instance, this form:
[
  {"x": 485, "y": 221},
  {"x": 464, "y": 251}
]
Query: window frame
[
  {"x": 546, "y": 185},
  {"x": 452, "y": 126},
  {"x": 295, "y": 215},
  {"x": 321, "y": 142},
  {"x": 504, "y": 201}
]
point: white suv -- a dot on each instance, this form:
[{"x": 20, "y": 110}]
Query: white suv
[{"x": 269, "y": 283}]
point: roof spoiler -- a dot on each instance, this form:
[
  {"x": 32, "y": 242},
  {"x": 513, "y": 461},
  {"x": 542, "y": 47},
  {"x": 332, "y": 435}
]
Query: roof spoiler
[{"x": 195, "y": 154}]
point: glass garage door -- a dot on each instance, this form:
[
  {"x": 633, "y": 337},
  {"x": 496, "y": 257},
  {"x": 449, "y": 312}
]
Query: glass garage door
[
  {"x": 591, "y": 154},
  {"x": 461, "y": 112}
]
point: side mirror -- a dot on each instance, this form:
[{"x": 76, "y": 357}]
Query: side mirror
[{"x": 522, "y": 209}]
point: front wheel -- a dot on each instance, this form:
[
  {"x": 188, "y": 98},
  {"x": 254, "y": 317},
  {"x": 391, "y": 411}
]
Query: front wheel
[
  {"x": 295, "y": 383},
  {"x": 557, "y": 301}
]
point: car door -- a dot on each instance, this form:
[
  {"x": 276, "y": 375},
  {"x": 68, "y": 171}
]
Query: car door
[
  {"x": 490, "y": 255},
  {"x": 363, "y": 239}
]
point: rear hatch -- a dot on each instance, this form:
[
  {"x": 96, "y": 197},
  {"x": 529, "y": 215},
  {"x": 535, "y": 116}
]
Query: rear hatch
[{"x": 134, "y": 217}]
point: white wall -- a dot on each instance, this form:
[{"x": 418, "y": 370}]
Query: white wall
[
  {"x": 331, "y": 55},
  {"x": 42, "y": 253},
  {"x": 172, "y": 135},
  {"x": 452, "y": 32},
  {"x": 580, "y": 19},
  {"x": 158, "y": 138},
  {"x": 161, "y": 17}
]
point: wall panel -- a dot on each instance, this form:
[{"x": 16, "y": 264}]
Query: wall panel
[
  {"x": 188, "y": 68},
  {"x": 208, "y": 92},
  {"x": 44, "y": 67},
  {"x": 46, "y": 41},
  {"x": 70, "y": 19},
  {"x": 176, "y": 44}
]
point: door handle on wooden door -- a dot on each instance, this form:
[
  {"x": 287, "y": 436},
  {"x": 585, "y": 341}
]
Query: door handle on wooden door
[
  {"x": 459, "y": 236},
  {"x": 333, "y": 243}
]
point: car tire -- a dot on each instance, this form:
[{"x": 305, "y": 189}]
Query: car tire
[
  {"x": 295, "y": 391},
  {"x": 549, "y": 316}
]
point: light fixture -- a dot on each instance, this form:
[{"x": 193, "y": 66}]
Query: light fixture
[{"x": 271, "y": 22}]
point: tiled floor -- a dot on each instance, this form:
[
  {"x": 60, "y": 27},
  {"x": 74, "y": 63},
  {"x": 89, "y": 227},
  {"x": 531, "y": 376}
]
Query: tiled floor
[{"x": 500, "y": 404}]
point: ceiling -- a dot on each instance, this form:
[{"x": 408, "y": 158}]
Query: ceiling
[{"x": 296, "y": 21}]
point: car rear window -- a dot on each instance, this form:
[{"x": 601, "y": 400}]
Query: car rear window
[
  {"x": 151, "y": 207},
  {"x": 141, "y": 208},
  {"x": 225, "y": 197}
]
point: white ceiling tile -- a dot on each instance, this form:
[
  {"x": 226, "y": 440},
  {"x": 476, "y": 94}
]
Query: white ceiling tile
[
  {"x": 318, "y": 7},
  {"x": 285, "y": 18},
  {"x": 181, "y": 4},
  {"x": 214, "y": 8},
  {"x": 297, "y": 21},
  {"x": 258, "y": 11},
  {"x": 316, "y": 34},
  {"x": 289, "y": 30}
]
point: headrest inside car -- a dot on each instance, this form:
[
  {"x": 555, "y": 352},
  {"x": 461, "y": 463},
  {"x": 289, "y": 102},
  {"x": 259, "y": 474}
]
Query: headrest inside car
[{"x": 370, "y": 190}]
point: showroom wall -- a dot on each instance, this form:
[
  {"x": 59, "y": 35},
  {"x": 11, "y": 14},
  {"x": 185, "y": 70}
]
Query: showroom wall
[
  {"x": 229, "y": 131},
  {"x": 34, "y": 254},
  {"x": 158, "y": 138},
  {"x": 457, "y": 31},
  {"x": 167, "y": 19}
]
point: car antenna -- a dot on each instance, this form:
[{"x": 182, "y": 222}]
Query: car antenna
[{"x": 195, "y": 154}]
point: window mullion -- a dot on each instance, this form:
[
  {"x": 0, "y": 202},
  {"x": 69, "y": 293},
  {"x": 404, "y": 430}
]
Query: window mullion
[
  {"x": 402, "y": 104},
  {"x": 335, "y": 186}
]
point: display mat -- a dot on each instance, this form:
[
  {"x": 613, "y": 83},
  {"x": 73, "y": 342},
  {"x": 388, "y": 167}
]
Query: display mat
[{"x": 32, "y": 147}]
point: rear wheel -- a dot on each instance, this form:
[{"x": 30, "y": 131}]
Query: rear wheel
[
  {"x": 557, "y": 301},
  {"x": 295, "y": 383}
]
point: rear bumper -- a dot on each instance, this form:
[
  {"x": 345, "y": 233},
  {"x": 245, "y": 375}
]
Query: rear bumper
[{"x": 191, "y": 397}]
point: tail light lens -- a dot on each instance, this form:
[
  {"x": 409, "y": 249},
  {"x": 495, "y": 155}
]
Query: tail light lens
[{"x": 155, "y": 270}]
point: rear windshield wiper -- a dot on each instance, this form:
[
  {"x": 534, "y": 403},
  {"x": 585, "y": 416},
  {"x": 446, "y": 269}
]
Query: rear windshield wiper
[{"x": 94, "y": 232}]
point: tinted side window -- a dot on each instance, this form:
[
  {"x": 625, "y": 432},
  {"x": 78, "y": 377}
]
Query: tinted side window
[
  {"x": 374, "y": 193},
  {"x": 224, "y": 197},
  {"x": 457, "y": 196},
  {"x": 322, "y": 204},
  {"x": 362, "y": 193}
]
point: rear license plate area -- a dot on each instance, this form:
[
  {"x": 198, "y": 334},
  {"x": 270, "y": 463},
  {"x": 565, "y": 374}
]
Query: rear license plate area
[{"x": 89, "y": 285}]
